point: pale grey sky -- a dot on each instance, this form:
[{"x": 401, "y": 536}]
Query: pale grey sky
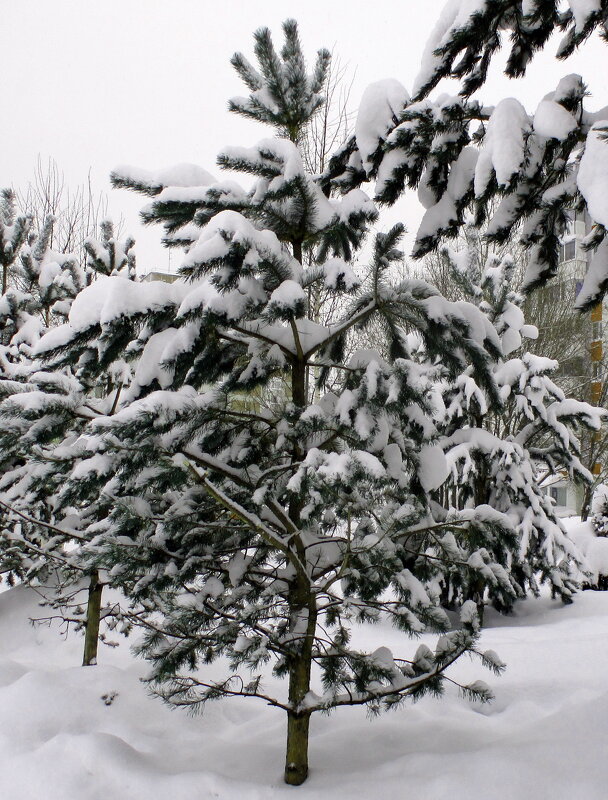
[{"x": 146, "y": 82}]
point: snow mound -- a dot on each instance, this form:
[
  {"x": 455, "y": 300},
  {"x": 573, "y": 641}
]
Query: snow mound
[{"x": 543, "y": 735}]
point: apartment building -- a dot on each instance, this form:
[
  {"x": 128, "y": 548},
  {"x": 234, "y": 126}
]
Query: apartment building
[{"x": 584, "y": 371}]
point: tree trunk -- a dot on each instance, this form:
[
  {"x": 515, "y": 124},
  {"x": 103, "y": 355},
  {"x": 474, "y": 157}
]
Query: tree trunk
[
  {"x": 301, "y": 603},
  {"x": 303, "y": 612},
  {"x": 296, "y": 758},
  {"x": 91, "y": 635},
  {"x": 298, "y": 385},
  {"x": 481, "y": 495},
  {"x": 587, "y": 496}
]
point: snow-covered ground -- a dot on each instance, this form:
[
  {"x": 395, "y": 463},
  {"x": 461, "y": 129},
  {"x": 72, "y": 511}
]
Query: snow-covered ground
[{"x": 543, "y": 737}]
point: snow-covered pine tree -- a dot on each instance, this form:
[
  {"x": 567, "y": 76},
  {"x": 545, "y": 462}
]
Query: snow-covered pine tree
[
  {"x": 30, "y": 273},
  {"x": 502, "y": 455},
  {"x": 460, "y": 152},
  {"x": 37, "y": 283},
  {"x": 14, "y": 229},
  {"x": 258, "y": 526},
  {"x": 43, "y": 413},
  {"x": 108, "y": 255}
]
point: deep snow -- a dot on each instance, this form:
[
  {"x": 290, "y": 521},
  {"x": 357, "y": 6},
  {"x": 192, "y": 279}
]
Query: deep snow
[{"x": 543, "y": 737}]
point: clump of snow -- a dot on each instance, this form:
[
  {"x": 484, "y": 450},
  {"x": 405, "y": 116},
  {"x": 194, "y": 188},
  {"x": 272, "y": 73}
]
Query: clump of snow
[
  {"x": 288, "y": 296},
  {"x": 596, "y": 276},
  {"x": 109, "y": 298},
  {"x": 339, "y": 273},
  {"x": 440, "y": 216},
  {"x": 380, "y": 107},
  {"x": 433, "y": 467},
  {"x": 230, "y": 227},
  {"x": 178, "y": 175},
  {"x": 581, "y": 10},
  {"x": 150, "y": 363},
  {"x": 553, "y": 120},
  {"x": 503, "y": 146},
  {"x": 593, "y": 172},
  {"x": 353, "y": 203}
]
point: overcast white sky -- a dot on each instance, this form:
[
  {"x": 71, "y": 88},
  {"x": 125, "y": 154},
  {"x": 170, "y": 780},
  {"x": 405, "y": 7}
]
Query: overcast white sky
[{"x": 146, "y": 82}]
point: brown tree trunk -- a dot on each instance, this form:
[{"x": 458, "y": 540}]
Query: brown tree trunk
[
  {"x": 296, "y": 759},
  {"x": 298, "y": 721},
  {"x": 481, "y": 496},
  {"x": 302, "y": 604},
  {"x": 298, "y": 386},
  {"x": 91, "y": 635},
  {"x": 587, "y": 496}
]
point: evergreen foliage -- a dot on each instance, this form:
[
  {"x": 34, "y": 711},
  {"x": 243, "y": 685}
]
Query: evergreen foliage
[
  {"x": 520, "y": 171},
  {"x": 468, "y": 35},
  {"x": 501, "y": 455},
  {"x": 43, "y": 412},
  {"x": 109, "y": 256},
  {"x": 36, "y": 283}
]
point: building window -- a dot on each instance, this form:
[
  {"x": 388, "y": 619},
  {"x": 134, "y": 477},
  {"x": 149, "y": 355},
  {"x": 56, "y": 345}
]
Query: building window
[
  {"x": 568, "y": 250},
  {"x": 571, "y": 214},
  {"x": 559, "y": 494}
]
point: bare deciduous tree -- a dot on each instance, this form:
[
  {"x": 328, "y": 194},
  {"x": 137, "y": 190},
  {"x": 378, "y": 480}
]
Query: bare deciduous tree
[
  {"x": 78, "y": 211},
  {"x": 329, "y": 128}
]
